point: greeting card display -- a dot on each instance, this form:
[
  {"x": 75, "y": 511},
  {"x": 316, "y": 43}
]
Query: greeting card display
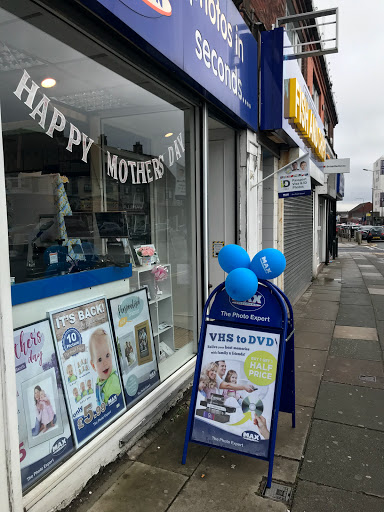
[
  {"x": 89, "y": 367},
  {"x": 44, "y": 431},
  {"x": 135, "y": 345}
]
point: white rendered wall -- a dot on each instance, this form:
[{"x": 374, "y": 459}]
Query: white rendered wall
[
  {"x": 250, "y": 194},
  {"x": 10, "y": 481}
]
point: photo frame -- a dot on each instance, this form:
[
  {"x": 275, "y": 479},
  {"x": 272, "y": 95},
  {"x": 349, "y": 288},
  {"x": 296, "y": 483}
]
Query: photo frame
[
  {"x": 143, "y": 343},
  {"x": 47, "y": 382}
]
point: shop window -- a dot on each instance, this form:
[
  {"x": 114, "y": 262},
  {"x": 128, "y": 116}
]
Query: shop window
[{"x": 97, "y": 167}]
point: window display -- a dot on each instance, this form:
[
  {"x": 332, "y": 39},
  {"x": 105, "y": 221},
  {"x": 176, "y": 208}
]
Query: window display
[
  {"x": 99, "y": 172},
  {"x": 97, "y": 167}
]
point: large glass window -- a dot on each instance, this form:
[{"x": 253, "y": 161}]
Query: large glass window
[{"x": 99, "y": 172}]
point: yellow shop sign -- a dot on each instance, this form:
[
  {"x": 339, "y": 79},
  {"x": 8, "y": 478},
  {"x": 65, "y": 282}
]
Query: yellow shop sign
[{"x": 303, "y": 119}]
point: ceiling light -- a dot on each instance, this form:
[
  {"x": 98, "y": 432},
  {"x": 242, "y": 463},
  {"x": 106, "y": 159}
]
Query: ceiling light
[
  {"x": 168, "y": 134},
  {"x": 48, "y": 82}
]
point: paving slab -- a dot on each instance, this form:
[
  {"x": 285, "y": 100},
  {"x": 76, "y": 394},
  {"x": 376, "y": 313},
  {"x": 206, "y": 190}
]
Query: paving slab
[
  {"x": 312, "y": 340},
  {"x": 141, "y": 488},
  {"x": 372, "y": 274},
  {"x": 318, "y": 326},
  {"x": 254, "y": 502},
  {"x": 358, "y": 316},
  {"x": 290, "y": 441},
  {"x": 376, "y": 291},
  {"x": 366, "y": 266},
  {"x": 356, "y": 349},
  {"x": 307, "y": 388},
  {"x": 320, "y": 310},
  {"x": 380, "y": 331},
  {"x": 355, "y": 299},
  {"x": 351, "y": 405},
  {"x": 167, "y": 449},
  {"x": 310, "y": 497},
  {"x": 361, "y": 290},
  {"x": 346, "y": 457},
  {"x": 326, "y": 296},
  {"x": 353, "y": 283},
  {"x": 357, "y": 333},
  {"x": 309, "y": 360},
  {"x": 378, "y": 307},
  {"x": 225, "y": 479},
  {"x": 348, "y": 371}
]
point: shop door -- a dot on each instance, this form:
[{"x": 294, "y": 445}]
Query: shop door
[{"x": 221, "y": 196}]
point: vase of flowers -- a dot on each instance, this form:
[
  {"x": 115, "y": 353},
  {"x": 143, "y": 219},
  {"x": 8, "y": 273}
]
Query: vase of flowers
[
  {"x": 146, "y": 252},
  {"x": 160, "y": 273}
]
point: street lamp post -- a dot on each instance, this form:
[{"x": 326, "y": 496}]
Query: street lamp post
[{"x": 370, "y": 170}]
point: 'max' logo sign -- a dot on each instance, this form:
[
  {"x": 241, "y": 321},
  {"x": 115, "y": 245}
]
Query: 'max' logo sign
[
  {"x": 256, "y": 302},
  {"x": 162, "y": 7}
]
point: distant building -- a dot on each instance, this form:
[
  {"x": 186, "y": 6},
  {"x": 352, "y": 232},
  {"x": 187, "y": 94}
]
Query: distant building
[{"x": 359, "y": 213}]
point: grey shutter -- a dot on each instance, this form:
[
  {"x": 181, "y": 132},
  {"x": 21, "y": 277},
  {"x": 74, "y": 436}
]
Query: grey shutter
[{"x": 298, "y": 245}]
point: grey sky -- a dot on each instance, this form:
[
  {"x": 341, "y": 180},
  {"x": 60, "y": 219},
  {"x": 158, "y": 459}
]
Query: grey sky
[{"x": 357, "y": 76}]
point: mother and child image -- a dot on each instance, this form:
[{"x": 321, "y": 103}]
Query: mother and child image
[
  {"x": 102, "y": 357},
  {"x": 214, "y": 379},
  {"x": 45, "y": 415}
]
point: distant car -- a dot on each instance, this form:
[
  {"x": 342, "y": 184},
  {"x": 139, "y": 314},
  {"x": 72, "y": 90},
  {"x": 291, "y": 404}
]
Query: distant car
[
  {"x": 363, "y": 230},
  {"x": 377, "y": 233}
]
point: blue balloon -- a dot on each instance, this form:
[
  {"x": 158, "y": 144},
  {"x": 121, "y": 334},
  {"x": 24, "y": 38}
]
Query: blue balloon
[
  {"x": 268, "y": 264},
  {"x": 241, "y": 284},
  {"x": 233, "y": 256}
]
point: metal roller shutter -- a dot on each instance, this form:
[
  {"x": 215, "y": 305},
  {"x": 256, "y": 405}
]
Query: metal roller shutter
[{"x": 298, "y": 245}]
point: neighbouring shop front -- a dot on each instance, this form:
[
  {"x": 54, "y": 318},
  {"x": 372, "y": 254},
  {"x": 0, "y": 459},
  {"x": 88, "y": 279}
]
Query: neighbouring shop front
[
  {"x": 120, "y": 125},
  {"x": 290, "y": 118}
]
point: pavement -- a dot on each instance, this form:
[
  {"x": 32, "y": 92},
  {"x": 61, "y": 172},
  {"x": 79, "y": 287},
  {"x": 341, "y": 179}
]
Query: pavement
[{"x": 331, "y": 462}]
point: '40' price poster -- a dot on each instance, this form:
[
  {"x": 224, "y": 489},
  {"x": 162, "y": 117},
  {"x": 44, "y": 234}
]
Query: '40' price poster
[{"x": 88, "y": 363}]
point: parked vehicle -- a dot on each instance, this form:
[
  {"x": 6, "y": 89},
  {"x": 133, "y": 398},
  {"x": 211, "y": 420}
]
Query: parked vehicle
[
  {"x": 364, "y": 231},
  {"x": 375, "y": 234}
]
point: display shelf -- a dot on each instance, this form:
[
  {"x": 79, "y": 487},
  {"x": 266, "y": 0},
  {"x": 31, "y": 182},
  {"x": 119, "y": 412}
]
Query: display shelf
[{"x": 160, "y": 308}]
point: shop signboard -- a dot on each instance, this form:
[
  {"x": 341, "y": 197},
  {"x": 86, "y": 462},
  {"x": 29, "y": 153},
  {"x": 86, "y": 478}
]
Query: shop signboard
[
  {"x": 295, "y": 179},
  {"x": 44, "y": 431},
  {"x": 287, "y": 106},
  {"x": 237, "y": 389},
  {"x": 135, "y": 346},
  {"x": 89, "y": 368},
  {"x": 207, "y": 41},
  {"x": 336, "y": 166},
  {"x": 238, "y": 419}
]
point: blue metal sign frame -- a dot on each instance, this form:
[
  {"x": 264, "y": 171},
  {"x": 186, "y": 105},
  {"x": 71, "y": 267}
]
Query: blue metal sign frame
[{"x": 284, "y": 398}]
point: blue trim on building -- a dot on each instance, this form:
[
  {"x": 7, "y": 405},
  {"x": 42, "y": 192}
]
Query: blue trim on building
[
  {"x": 271, "y": 94},
  {"x": 43, "y": 288}
]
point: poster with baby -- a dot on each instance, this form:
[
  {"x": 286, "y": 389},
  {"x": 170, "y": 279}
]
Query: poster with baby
[
  {"x": 45, "y": 437},
  {"x": 236, "y": 389},
  {"x": 137, "y": 354},
  {"x": 89, "y": 367}
]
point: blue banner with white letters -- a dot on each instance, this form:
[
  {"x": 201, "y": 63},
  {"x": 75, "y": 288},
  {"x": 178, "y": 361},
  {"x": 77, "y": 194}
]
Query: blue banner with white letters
[{"x": 206, "y": 39}]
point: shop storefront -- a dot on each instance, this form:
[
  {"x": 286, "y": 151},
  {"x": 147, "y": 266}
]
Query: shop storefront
[
  {"x": 289, "y": 117},
  {"x": 121, "y": 124}
]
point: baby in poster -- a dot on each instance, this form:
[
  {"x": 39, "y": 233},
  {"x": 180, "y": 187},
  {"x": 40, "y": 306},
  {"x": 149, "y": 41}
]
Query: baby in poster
[{"x": 84, "y": 341}]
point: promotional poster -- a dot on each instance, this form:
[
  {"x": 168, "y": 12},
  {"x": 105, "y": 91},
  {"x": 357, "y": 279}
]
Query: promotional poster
[
  {"x": 135, "y": 346},
  {"x": 44, "y": 431},
  {"x": 89, "y": 367},
  {"x": 295, "y": 178},
  {"x": 236, "y": 389}
]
